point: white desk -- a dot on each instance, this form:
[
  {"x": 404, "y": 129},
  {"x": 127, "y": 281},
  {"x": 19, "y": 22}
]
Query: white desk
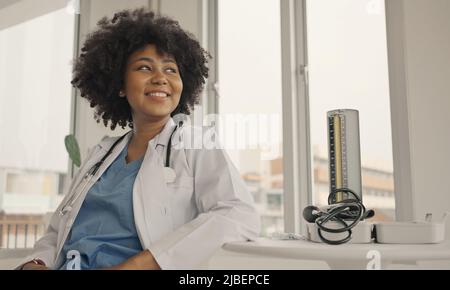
[{"x": 346, "y": 256}]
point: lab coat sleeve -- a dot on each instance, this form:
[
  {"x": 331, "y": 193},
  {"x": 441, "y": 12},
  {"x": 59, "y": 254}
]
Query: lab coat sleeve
[
  {"x": 45, "y": 248},
  {"x": 226, "y": 214}
]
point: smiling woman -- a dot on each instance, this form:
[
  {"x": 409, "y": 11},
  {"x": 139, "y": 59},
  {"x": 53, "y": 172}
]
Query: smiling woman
[
  {"x": 134, "y": 42},
  {"x": 132, "y": 205},
  {"x": 153, "y": 85}
]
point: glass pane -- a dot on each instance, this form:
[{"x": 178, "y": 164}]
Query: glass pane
[
  {"x": 35, "y": 110},
  {"x": 349, "y": 70},
  {"x": 250, "y": 100}
]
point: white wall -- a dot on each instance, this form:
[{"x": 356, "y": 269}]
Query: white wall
[
  {"x": 420, "y": 74},
  {"x": 427, "y": 28},
  {"x": 187, "y": 12},
  {"x": 29, "y": 9}
]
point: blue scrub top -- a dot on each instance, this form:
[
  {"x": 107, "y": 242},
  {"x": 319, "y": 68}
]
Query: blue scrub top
[{"x": 104, "y": 232}]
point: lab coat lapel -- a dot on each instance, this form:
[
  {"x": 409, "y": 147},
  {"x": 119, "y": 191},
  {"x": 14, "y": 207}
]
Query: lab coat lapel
[
  {"x": 152, "y": 192},
  {"x": 96, "y": 156}
]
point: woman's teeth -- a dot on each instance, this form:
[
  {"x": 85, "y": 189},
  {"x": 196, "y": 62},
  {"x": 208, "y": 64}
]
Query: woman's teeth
[{"x": 162, "y": 95}]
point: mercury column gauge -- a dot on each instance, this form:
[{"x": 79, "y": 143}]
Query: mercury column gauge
[{"x": 344, "y": 152}]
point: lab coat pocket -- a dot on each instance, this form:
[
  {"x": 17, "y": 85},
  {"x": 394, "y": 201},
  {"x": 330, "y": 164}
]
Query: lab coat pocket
[
  {"x": 182, "y": 183},
  {"x": 181, "y": 193}
]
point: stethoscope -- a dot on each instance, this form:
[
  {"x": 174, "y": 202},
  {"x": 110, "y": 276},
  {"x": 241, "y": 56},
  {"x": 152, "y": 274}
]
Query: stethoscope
[{"x": 169, "y": 173}]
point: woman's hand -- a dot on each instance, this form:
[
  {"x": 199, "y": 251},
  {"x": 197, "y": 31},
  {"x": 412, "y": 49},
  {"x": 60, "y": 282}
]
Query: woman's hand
[
  {"x": 33, "y": 266},
  {"x": 142, "y": 261}
]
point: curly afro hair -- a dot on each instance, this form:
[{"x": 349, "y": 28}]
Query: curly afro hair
[{"x": 99, "y": 71}]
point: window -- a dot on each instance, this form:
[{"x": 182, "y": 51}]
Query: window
[
  {"x": 347, "y": 56},
  {"x": 35, "y": 110},
  {"x": 249, "y": 70}
]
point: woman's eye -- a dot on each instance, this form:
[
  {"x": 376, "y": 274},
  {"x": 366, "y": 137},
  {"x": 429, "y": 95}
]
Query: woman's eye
[
  {"x": 148, "y": 68},
  {"x": 172, "y": 70},
  {"x": 144, "y": 67}
]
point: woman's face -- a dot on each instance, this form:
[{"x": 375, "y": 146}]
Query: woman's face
[{"x": 153, "y": 84}]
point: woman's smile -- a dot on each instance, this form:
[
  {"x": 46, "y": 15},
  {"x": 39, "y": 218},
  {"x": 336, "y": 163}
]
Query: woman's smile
[
  {"x": 153, "y": 84},
  {"x": 157, "y": 95}
]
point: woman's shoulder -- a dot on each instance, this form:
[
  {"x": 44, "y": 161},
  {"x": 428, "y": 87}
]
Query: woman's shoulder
[{"x": 105, "y": 143}]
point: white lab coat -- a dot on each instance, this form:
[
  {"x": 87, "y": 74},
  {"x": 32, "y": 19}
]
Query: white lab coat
[{"x": 182, "y": 223}]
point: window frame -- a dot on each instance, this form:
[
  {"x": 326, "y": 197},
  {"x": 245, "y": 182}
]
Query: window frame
[
  {"x": 73, "y": 106},
  {"x": 397, "y": 67},
  {"x": 296, "y": 146},
  {"x": 403, "y": 184},
  {"x": 297, "y": 157},
  {"x": 209, "y": 37}
]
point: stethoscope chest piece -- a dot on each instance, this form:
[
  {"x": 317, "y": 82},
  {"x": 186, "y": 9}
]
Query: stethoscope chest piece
[{"x": 169, "y": 175}]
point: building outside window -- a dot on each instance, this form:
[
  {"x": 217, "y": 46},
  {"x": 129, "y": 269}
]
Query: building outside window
[
  {"x": 35, "y": 116},
  {"x": 249, "y": 69}
]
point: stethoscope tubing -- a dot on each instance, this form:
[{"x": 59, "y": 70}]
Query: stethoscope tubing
[{"x": 94, "y": 169}]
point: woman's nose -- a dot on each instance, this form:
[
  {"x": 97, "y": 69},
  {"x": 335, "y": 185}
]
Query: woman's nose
[{"x": 159, "y": 79}]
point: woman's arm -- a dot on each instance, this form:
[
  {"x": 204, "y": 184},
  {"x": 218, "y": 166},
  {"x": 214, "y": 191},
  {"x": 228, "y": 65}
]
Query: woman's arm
[{"x": 226, "y": 213}]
